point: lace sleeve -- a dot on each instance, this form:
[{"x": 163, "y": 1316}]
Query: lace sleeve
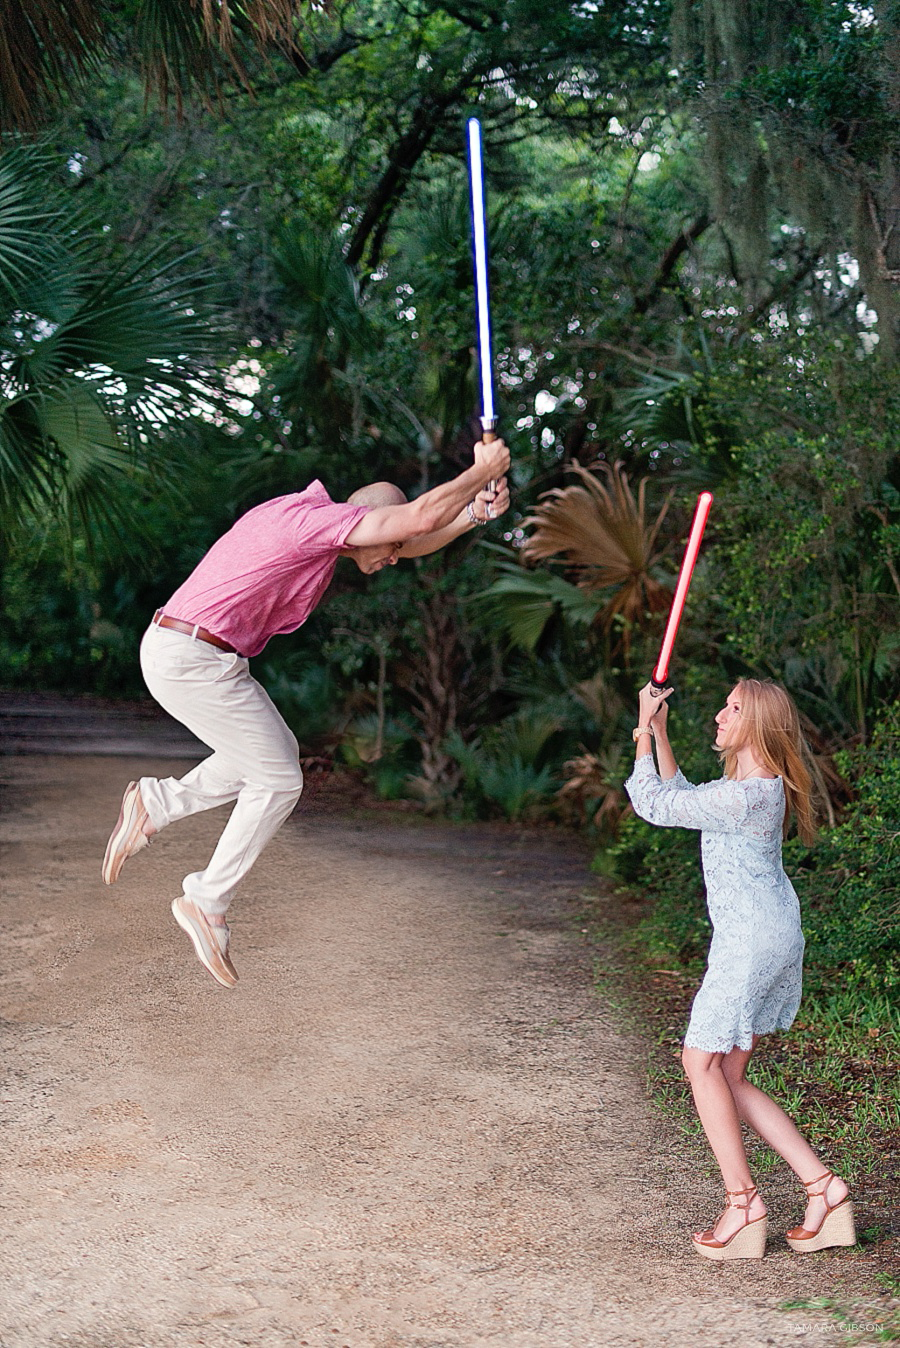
[{"x": 714, "y": 807}]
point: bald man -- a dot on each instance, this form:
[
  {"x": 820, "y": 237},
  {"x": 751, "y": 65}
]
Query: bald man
[{"x": 265, "y": 576}]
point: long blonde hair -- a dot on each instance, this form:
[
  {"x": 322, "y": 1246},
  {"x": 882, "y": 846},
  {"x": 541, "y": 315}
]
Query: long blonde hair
[{"x": 772, "y": 726}]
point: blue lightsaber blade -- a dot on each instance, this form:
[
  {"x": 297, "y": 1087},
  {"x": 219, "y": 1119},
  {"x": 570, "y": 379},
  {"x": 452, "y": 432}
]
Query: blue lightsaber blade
[{"x": 482, "y": 292}]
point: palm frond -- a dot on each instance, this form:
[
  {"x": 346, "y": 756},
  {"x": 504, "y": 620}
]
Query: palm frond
[
  {"x": 320, "y": 293},
  {"x": 98, "y": 366},
  {"x": 26, "y": 477},
  {"x": 660, "y": 408},
  {"x": 48, "y": 45},
  {"x": 602, "y": 532},
  {"x": 524, "y": 735},
  {"x": 504, "y": 766},
  {"x": 44, "y": 45},
  {"x": 29, "y": 242},
  {"x": 140, "y": 319},
  {"x": 670, "y": 410},
  {"x": 521, "y": 603}
]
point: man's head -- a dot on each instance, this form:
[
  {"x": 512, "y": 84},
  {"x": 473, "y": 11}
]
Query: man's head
[{"x": 375, "y": 495}]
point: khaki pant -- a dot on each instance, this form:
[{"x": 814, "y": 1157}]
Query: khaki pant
[{"x": 254, "y": 760}]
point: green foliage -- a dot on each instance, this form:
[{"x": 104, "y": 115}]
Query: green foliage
[
  {"x": 800, "y": 111},
  {"x": 522, "y": 603},
  {"x": 100, "y": 359},
  {"x": 832, "y": 78},
  {"x": 805, "y": 532},
  {"x": 851, "y": 880},
  {"x": 306, "y": 693},
  {"x": 504, "y": 767},
  {"x": 384, "y": 751}
]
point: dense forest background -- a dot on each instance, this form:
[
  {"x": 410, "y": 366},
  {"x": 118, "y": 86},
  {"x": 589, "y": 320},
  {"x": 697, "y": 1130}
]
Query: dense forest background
[{"x": 234, "y": 256}]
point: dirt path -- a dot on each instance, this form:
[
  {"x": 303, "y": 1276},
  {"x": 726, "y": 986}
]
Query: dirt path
[{"x": 412, "y": 1125}]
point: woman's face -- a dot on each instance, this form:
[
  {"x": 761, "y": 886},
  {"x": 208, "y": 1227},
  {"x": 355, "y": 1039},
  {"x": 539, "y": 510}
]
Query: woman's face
[{"x": 729, "y": 731}]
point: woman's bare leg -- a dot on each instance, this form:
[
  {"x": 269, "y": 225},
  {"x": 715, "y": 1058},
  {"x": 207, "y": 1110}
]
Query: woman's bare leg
[
  {"x": 769, "y": 1120},
  {"x": 721, "y": 1122}
]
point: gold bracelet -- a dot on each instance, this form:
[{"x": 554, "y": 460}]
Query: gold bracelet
[{"x": 641, "y": 730}]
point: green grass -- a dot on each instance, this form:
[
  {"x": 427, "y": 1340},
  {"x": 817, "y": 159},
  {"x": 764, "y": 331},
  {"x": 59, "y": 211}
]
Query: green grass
[{"x": 862, "y": 1322}]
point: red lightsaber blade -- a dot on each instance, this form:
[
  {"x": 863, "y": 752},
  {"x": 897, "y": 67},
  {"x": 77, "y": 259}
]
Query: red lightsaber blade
[{"x": 661, "y": 672}]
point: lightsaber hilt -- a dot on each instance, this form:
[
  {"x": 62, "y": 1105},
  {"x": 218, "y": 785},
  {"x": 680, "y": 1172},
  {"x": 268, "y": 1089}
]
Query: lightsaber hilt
[
  {"x": 488, "y": 434},
  {"x": 659, "y": 677}
]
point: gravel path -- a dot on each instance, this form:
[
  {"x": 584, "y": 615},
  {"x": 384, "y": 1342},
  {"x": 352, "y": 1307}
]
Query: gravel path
[{"x": 412, "y": 1125}]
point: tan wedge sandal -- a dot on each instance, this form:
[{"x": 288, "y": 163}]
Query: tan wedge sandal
[
  {"x": 748, "y": 1242},
  {"x": 835, "y": 1228}
]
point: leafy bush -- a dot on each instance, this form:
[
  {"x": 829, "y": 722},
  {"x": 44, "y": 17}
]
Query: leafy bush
[
  {"x": 850, "y": 883},
  {"x": 507, "y": 767},
  {"x": 515, "y": 786},
  {"x": 64, "y": 628},
  {"x": 305, "y": 693},
  {"x": 387, "y": 752}
]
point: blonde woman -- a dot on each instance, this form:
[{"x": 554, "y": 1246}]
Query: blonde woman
[{"x": 754, "y": 974}]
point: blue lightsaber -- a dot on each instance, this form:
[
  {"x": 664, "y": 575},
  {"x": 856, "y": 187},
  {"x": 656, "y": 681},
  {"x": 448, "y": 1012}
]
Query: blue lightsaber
[{"x": 482, "y": 290}]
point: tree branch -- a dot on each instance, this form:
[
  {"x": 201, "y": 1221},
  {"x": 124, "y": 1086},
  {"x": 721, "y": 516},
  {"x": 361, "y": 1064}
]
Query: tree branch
[
  {"x": 402, "y": 160},
  {"x": 323, "y": 60},
  {"x": 114, "y": 162},
  {"x": 778, "y": 291},
  {"x": 669, "y": 258}
]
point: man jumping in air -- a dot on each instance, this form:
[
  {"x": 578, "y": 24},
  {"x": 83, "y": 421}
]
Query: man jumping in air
[{"x": 265, "y": 576}]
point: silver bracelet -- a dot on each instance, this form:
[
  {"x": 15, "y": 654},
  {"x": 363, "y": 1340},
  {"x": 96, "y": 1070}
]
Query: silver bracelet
[{"x": 473, "y": 518}]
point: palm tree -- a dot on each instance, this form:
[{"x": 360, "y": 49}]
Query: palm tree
[
  {"x": 319, "y": 295},
  {"x": 101, "y": 366},
  {"x": 180, "y": 45},
  {"x": 602, "y": 533}
]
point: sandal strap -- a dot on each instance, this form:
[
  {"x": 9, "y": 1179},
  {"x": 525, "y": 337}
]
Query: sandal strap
[
  {"x": 708, "y": 1237},
  {"x": 807, "y": 1184},
  {"x": 738, "y": 1193},
  {"x": 823, "y": 1194}
]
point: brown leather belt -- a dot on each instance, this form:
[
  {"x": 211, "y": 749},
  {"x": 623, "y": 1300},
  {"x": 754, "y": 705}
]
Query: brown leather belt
[{"x": 163, "y": 620}]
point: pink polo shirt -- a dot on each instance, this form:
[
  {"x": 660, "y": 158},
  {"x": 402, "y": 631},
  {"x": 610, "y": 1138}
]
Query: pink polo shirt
[{"x": 266, "y": 575}]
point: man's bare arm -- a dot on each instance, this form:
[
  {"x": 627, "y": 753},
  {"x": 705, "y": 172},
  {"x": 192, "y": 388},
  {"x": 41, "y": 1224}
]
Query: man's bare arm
[
  {"x": 434, "y": 510},
  {"x": 433, "y": 542}
]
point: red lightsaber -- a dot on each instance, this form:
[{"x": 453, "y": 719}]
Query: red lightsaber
[{"x": 661, "y": 672}]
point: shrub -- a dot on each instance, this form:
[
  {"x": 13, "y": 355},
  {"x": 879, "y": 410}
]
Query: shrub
[
  {"x": 850, "y": 883},
  {"x": 507, "y": 767}
]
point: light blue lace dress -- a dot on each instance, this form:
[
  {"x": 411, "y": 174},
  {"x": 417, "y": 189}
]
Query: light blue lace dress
[{"x": 754, "y": 973}]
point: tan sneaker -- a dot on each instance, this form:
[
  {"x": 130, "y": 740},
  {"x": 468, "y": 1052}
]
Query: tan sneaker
[
  {"x": 128, "y": 836},
  {"x": 210, "y": 941}
]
